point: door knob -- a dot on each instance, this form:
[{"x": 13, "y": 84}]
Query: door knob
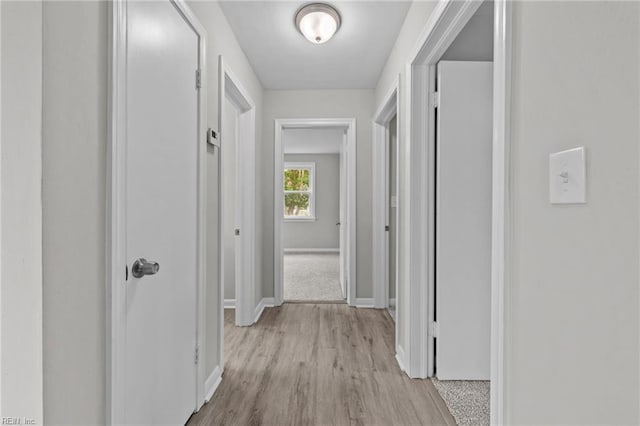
[{"x": 142, "y": 267}]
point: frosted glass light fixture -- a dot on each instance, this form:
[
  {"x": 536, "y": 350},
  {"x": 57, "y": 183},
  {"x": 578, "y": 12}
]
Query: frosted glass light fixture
[{"x": 318, "y": 22}]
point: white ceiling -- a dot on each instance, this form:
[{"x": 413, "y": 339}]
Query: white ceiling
[
  {"x": 312, "y": 141},
  {"x": 283, "y": 59}
]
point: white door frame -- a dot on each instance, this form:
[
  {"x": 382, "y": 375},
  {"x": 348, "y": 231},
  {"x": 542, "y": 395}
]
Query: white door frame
[
  {"x": 443, "y": 26},
  {"x": 381, "y": 119},
  {"x": 229, "y": 86},
  {"x": 40, "y": 310},
  {"x": 349, "y": 124},
  {"x": 116, "y": 207},
  {"x": 342, "y": 217},
  {"x": 342, "y": 211},
  {"x": 385, "y": 112}
]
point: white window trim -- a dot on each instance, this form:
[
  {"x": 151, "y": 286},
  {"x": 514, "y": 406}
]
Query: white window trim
[{"x": 311, "y": 166}]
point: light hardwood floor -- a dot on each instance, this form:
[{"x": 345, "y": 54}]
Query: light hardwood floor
[{"x": 318, "y": 364}]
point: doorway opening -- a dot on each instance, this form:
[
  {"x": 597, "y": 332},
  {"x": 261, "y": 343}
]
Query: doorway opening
[
  {"x": 314, "y": 213},
  {"x": 391, "y": 211},
  {"x": 230, "y": 208},
  {"x": 313, "y": 189},
  {"x": 387, "y": 293},
  {"x": 461, "y": 316},
  {"x": 237, "y": 207},
  {"x": 420, "y": 236}
]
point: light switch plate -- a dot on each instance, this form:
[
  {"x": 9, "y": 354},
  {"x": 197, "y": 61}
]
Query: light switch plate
[
  {"x": 567, "y": 177},
  {"x": 394, "y": 201}
]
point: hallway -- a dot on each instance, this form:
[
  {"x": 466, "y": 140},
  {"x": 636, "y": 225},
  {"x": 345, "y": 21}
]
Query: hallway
[
  {"x": 318, "y": 364},
  {"x": 471, "y": 167}
]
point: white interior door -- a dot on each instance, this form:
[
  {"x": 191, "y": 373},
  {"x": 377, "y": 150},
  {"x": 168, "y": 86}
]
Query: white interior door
[
  {"x": 463, "y": 220},
  {"x": 343, "y": 217},
  {"x": 161, "y": 214}
]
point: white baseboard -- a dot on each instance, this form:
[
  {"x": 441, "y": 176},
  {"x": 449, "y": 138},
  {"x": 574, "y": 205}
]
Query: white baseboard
[
  {"x": 269, "y": 302},
  {"x": 365, "y": 303},
  {"x": 211, "y": 384},
  {"x": 229, "y": 303},
  {"x": 266, "y": 302},
  {"x": 400, "y": 358},
  {"x": 312, "y": 250},
  {"x": 258, "y": 311}
]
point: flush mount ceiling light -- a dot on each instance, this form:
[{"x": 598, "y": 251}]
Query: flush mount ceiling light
[{"x": 318, "y": 22}]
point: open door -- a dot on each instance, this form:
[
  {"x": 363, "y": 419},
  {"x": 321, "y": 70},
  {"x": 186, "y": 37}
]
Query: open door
[{"x": 463, "y": 220}]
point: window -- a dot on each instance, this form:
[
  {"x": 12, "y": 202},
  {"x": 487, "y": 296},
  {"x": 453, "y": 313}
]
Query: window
[{"x": 299, "y": 195}]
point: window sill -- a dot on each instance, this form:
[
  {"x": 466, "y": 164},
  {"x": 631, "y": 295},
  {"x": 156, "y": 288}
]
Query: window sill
[{"x": 299, "y": 219}]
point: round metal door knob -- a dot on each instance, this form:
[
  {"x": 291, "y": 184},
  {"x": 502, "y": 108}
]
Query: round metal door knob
[{"x": 142, "y": 267}]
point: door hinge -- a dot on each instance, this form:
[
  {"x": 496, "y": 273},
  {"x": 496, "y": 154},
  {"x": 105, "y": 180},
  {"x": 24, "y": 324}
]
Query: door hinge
[
  {"x": 198, "y": 79},
  {"x": 196, "y": 357},
  {"x": 434, "y": 100},
  {"x": 434, "y": 329},
  {"x": 386, "y": 228}
]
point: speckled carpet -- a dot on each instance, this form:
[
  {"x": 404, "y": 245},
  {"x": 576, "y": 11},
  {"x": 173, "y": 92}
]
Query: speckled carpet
[
  {"x": 468, "y": 401},
  {"x": 312, "y": 276}
]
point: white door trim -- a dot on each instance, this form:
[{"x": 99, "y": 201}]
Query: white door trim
[
  {"x": 500, "y": 232},
  {"x": 384, "y": 113},
  {"x": 444, "y": 24},
  {"x": 116, "y": 199},
  {"x": 229, "y": 86},
  {"x": 342, "y": 217},
  {"x": 349, "y": 124},
  {"x": 40, "y": 310}
]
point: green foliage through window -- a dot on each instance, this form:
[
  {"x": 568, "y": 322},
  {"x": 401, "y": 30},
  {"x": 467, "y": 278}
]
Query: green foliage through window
[
  {"x": 297, "y": 192},
  {"x": 296, "y": 179}
]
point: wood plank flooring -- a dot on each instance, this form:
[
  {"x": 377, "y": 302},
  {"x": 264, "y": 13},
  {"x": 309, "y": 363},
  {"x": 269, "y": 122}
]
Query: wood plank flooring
[{"x": 318, "y": 364}]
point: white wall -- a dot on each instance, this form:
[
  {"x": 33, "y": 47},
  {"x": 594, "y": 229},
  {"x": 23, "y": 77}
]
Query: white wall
[
  {"x": 572, "y": 336},
  {"x": 323, "y": 231},
  {"x": 312, "y": 141},
  {"x": 222, "y": 41},
  {"x": 475, "y": 41},
  {"x": 21, "y": 256},
  {"x": 320, "y": 104},
  {"x": 407, "y": 38},
  {"x": 74, "y": 184}
]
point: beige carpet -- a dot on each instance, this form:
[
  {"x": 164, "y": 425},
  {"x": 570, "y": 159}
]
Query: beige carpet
[
  {"x": 468, "y": 401},
  {"x": 312, "y": 276}
]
